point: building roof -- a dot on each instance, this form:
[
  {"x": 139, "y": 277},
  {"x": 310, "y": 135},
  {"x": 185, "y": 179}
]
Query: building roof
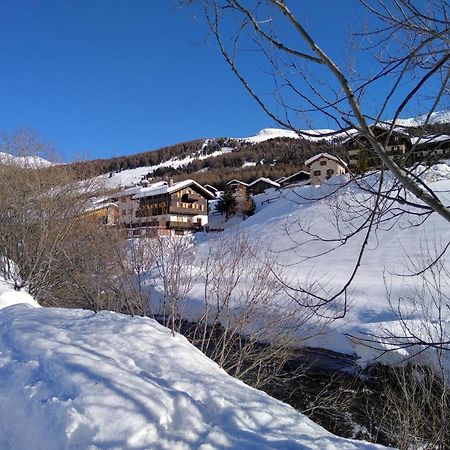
[
  {"x": 432, "y": 139},
  {"x": 237, "y": 181},
  {"x": 98, "y": 206},
  {"x": 163, "y": 187},
  {"x": 264, "y": 180},
  {"x": 284, "y": 179},
  {"x": 309, "y": 161},
  {"x": 353, "y": 133},
  {"x": 211, "y": 188}
]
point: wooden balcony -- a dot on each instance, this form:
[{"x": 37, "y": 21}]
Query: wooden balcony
[
  {"x": 183, "y": 225},
  {"x": 186, "y": 211}
]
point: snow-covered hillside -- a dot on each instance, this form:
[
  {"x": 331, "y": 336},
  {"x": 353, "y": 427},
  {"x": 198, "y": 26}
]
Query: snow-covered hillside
[
  {"x": 272, "y": 133},
  {"x": 265, "y": 134},
  {"x": 73, "y": 379},
  {"x": 437, "y": 117},
  {"x": 131, "y": 176},
  {"x": 287, "y": 222},
  {"x": 33, "y": 162}
]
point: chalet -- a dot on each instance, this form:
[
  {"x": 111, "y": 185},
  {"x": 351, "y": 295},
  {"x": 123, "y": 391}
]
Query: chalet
[
  {"x": 261, "y": 184},
  {"x": 104, "y": 211},
  {"x": 298, "y": 177},
  {"x": 324, "y": 166},
  {"x": 213, "y": 190},
  {"x": 238, "y": 188},
  {"x": 431, "y": 147},
  {"x": 396, "y": 143},
  {"x": 164, "y": 208}
]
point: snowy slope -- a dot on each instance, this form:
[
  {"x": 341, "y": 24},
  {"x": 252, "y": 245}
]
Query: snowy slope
[
  {"x": 435, "y": 118},
  {"x": 24, "y": 161},
  {"x": 131, "y": 176},
  {"x": 73, "y": 379},
  {"x": 272, "y": 133},
  {"x": 280, "y": 225}
]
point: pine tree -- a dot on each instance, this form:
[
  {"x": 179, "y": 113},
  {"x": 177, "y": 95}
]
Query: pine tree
[{"x": 227, "y": 204}]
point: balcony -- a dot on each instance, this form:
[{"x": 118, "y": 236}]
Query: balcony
[
  {"x": 183, "y": 225},
  {"x": 186, "y": 211}
]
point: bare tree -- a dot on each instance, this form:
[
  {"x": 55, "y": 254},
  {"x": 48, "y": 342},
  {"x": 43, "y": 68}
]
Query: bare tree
[
  {"x": 49, "y": 244},
  {"x": 406, "y": 51}
]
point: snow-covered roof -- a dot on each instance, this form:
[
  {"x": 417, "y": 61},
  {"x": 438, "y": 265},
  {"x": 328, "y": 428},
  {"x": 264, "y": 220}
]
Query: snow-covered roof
[
  {"x": 397, "y": 129},
  {"x": 264, "y": 180},
  {"x": 237, "y": 182},
  {"x": 294, "y": 175},
  {"x": 162, "y": 187},
  {"x": 100, "y": 205},
  {"x": 354, "y": 133},
  {"x": 279, "y": 180},
  {"x": 153, "y": 190},
  {"x": 430, "y": 139},
  {"x": 211, "y": 188},
  {"x": 327, "y": 156}
]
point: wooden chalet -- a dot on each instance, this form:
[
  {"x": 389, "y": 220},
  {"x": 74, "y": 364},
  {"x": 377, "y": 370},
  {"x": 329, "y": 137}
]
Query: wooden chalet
[
  {"x": 299, "y": 177},
  {"x": 238, "y": 188},
  {"x": 103, "y": 211},
  {"x": 430, "y": 148},
  {"x": 403, "y": 147},
  {"x": 164, "y": 208},
  {"x": 362, "y": 156},
  {"x": 261, "y": 185}
]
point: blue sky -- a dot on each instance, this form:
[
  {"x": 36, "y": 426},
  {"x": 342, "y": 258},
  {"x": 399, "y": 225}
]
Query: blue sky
[{"x": 102, "y": 78}]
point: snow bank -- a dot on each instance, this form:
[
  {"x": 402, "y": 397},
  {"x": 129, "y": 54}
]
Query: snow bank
[
  {"x": 8, "y": 296},
  {"x": 72, "y": 379}
]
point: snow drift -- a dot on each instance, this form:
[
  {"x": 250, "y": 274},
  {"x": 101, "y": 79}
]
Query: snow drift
[{"x": 73, "y": 379}]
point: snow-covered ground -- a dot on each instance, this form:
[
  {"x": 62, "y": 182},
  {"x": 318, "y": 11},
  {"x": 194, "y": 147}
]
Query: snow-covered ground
[
  {"x": 33, "y": 162},
  {"x": 73, "y": 379},
  {"x": 435, "y": 118},
  {"x": 128, "y": 177},
  {"x": 272, "y": 133},
  {"x": 281, "y": 218}
]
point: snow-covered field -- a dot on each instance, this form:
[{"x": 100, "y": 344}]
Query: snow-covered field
[
  {"x": 281, "y": 223},
  {"x": 73, "y": 379}
]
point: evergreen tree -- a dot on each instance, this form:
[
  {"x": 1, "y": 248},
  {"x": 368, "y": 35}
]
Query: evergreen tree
[{"x": 227, "y": 204}]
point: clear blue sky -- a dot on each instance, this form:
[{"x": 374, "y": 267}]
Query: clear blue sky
[{"x": 100, "y": 78}]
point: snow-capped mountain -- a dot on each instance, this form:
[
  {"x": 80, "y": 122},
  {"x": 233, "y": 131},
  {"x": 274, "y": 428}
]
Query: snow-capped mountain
[
  {"x": 436, "y": 118},
  {"x": 33, "y": 162},
  {"x": 288, "y": 149},
  {"x": 272, "y": 133}
]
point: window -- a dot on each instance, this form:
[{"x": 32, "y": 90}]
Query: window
[
  {"x": 317, "y": 173},
  {"x": 323, "y": 163},
  {"x": 330, "y": 172}
]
